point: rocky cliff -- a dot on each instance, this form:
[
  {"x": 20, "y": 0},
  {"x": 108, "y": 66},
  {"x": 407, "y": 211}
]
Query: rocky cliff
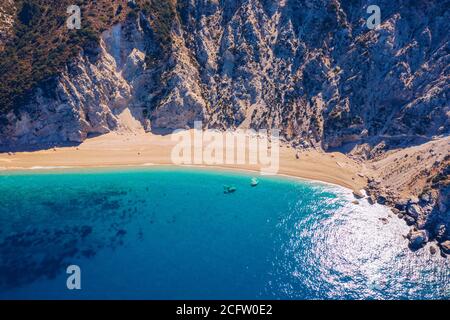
[{"x": 311, "y": 68}]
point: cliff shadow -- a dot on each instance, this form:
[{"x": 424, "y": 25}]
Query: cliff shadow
[
  {"x": 37, "y": 147},
  {"x": 161, "y": 131},
  {"x": 390, "y": 142}
]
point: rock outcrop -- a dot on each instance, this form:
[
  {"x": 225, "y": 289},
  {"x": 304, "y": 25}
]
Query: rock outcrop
[
  {"x": 417, "y": 239},
  {"x": 415, "y": 182},
  {"x": 445, "y": 246}
]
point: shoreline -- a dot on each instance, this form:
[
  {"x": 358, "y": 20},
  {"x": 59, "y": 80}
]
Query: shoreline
[
  {"x": 125, "y": 150},
  {"x": 363, "y": 180},
  {"x": 214, "y": 168}
]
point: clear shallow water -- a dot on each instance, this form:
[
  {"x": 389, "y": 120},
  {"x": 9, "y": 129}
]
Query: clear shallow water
[{"x": 165, "y": 233}]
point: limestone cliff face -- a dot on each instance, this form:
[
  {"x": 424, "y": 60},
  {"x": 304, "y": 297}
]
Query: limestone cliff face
[
  {"x": 314, "y": 69},
  {"x": 96, "y": 87},
  {"x": 310, "y": 68},
  {"x": 83, "y": 99}
]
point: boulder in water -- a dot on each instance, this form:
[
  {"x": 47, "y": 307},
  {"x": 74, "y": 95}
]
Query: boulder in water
[
  {"x": 445, "y": 247},
  {"x": 409, "y": 220},
  {"x": 414, "y": 211},
  {"x": 440, "y": 232},
  {"x": 358, "y": 194},
  {"x": 417, "y": 238},
  {"x": 433, "y": 250},
  {"x": 381, "y": 200}
]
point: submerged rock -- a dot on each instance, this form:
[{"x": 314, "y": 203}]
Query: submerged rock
[
  {"x": 229, "y": 189},
  {"x": 121, "y": 232},
  {"x": 85, "y": 231}
]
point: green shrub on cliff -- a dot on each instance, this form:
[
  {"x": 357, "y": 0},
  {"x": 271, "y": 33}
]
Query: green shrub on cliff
[{"x": 42, "y": 45}]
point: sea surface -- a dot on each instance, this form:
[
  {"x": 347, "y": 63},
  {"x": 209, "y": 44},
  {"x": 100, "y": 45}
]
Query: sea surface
[{"x": 167, "y": 233}]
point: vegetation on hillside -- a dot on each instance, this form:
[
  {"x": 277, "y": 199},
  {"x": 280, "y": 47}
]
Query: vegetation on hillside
[
  {"x": 161, "y": 15},
  {"x": 42, "y": 45}
]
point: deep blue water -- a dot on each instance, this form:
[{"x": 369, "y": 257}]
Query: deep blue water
[{"x": 165, "y": 233}]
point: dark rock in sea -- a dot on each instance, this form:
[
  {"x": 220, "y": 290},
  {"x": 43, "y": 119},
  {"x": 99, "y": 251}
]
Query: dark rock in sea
[
  {"x": 409, "y": 220},
  {"x": 414, "y": 210},
  {"x": 401, "y": 205},
  {"x": 371, "y": 199},
  {"x": 445, "y": 247},
  {"x": 433, "y": 250},
  {"x": 111, "y": 205},
  {"x": 381, "y": 200},
  {"x": 88, "y": 253},
  {"x": 121, "y": 232},
  {"x": 70, "y": 244},
  {"x": 440, "y": 232},
  {"x": 384, "y": 220},
  {"x": 417, "y": 238}
]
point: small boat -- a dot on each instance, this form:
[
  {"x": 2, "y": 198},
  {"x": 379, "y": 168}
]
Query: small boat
[
  {"x": 254, "y": 182},
  {"x": 229, "y": 189}
]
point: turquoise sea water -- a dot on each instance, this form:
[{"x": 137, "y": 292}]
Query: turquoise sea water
[{"x": 166, "y": 233}]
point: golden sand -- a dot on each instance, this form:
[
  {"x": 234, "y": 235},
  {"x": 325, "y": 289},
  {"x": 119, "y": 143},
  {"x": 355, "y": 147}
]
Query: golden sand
[{"x": 136, "y": 149}]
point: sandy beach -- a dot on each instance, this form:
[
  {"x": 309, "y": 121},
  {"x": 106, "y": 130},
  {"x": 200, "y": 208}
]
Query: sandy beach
[{"x": 117, "y": 149}]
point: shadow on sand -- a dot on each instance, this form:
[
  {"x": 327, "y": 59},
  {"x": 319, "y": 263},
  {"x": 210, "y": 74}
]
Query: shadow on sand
[{"x": 37, "y": 147}]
